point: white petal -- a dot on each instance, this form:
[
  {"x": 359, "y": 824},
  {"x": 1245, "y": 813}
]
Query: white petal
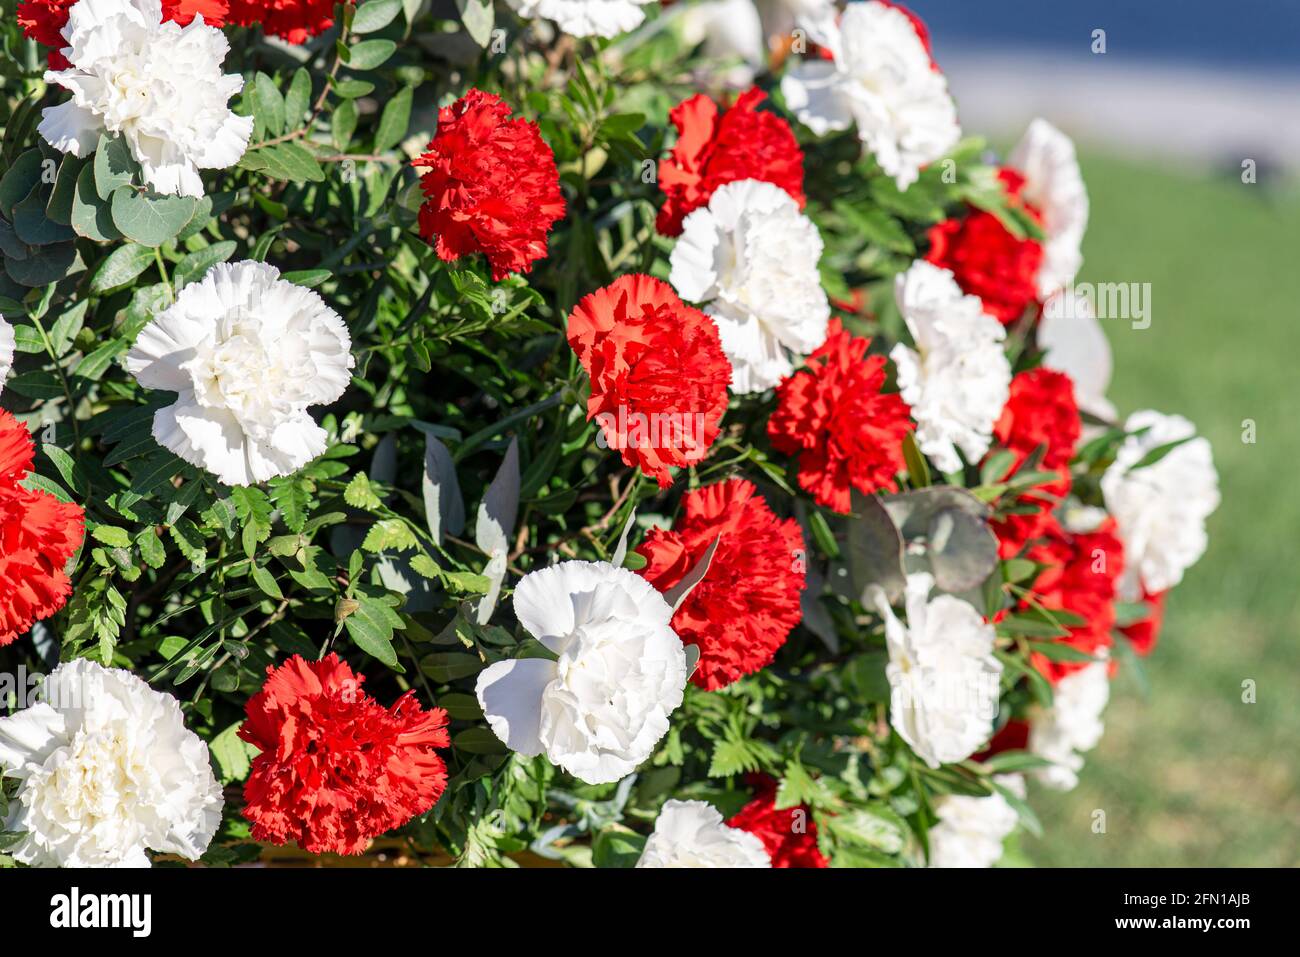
[
  {"x": 812, "y": 93},
  {"x": 70, "y": 128},
  {"x": 510, "y": 694},
  {"x": 30, "y": 735}
]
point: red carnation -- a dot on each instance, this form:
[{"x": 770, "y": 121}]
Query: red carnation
[
  {"x": 748, "y": 602},
  {"x": 38, "y": 536},
  {"x": 713, "y": 150},
  {"x": 988, "y": 261},
  {"x": 1142, "y": 635},
  {"x": 832, "y": 414},
  {"x": 490, "y": 186},
  {"x": 44, "y": 20},
  {"x": 1082, "y": 569},
  {"x": 1012, "y": 736},
  {"x": 294, "y": 21},
  {"x": 658, "y": 373},
  {"x": 1041, "y": 413},
  {"x": 788, "y": 834},
  {"x": 337, "y": 768}
]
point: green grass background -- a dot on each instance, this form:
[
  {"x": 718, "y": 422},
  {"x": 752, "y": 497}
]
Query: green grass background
[{"x": 1189, "y": 775}]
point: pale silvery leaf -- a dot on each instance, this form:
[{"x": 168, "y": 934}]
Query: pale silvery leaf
[
  {"x": 620, "y": 552},
  {"x": 496, "y": 514},
  {"x": 677, "y": 594},
  {"x": 496, "y": 522},
  {"x": 444, "y": 506}
]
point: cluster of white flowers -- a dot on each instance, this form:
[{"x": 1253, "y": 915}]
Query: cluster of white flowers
[
  {"x": 1161, "y": 508},
  {"x": 158, "y": 85},
  {"x": 1071, "y": 725},
  {"x": 585, "y": 18},
  {"x": 1054, "y": 184},
  {"x": 246, "y": 353},
  {"x": 881, "y": 79},
  {"x": 602, "y": 705},
  {"x": 942, "y": 672},
  {"x": 8, "y": 342},
  {"x": 957, "y": 377},
  {"x": 693, "y": 834},
  {"x": 971, "y": 830},
  {"x": 751, "y": 256},
  {"x": 106, "y": 770}
]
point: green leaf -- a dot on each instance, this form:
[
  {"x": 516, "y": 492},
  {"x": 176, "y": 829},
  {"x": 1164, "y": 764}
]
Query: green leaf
[
  {"x": 112, "y": 536},
  {"x": 351, "y": 89},
  {"x": 19, "y": 181},
  {"x": 92, "y": 217},
  {"x": 375, "y": 15},
  {"x": 372, "y": 633},
  {"x": 232, "y": 754},
  {"x": 394, "y": 120},
  {"x": 297, "y": 100},
  {"x": 343, "y": 124},
  {"x": 150, "y": 220},
  {"x": 114, "y": 165},
  {"x": 478, "y": 16},
  {"x": 120, "y": 267},
  {"x": 193, "y": 266},
  {"x": 369, "y": 54},
  {"x": 268, "y": 105},
  {"x": 266, "y": 581},
  {"x": 918, "y": 470},
  {"x": 311, "y": 278},
  {"x": 444, "y": 666}
]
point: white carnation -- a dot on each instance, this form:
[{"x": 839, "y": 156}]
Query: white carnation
[
  {"x": 600, "y": 709},
  {"x": 1161, "y": 508},
  {"x": 585, "y": 18},
  {"x": 693, "y": 834},
  {"x": 1074, "y": 342},
  {"x": 8, "y": 342},
  {"x": 957, "y": 377},
  {"x": 730, "y": 32},
  {"x": 971, "y": 829},
  {"x": 880, "y": 79},
  {"x": 751, "y": 256},
  {"x": 1072, "y": 725},
  {"x": 158, "y": 85},
  {"x": 1054, "y": 185},
  {"x": 247, "y": 353},
  {"x": 106, "y": 770},
  {"x": 942, "y": 673}
]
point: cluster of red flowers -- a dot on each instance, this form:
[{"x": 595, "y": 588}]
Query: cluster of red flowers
[
  {"x": 833, "y": 415},
  {"x": 490, "y": 186},
  {"x": 987, "y": 260},
  {"x": 714, "y": 149},
  {"x": 38, "y": 536},
  {"x": 1079, "y": 576},
  {"x": 294, "y": 21},
  {"x": 1040, "y": 414},
  {"x": 748, "y": 602},
  {"x": 789, "y": 835},
  {"x": 336, "y": 768},
  {"x": 658, "y": 373}
]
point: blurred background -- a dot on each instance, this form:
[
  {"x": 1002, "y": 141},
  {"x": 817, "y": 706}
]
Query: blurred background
[{"x": 1185, "y": 92}]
